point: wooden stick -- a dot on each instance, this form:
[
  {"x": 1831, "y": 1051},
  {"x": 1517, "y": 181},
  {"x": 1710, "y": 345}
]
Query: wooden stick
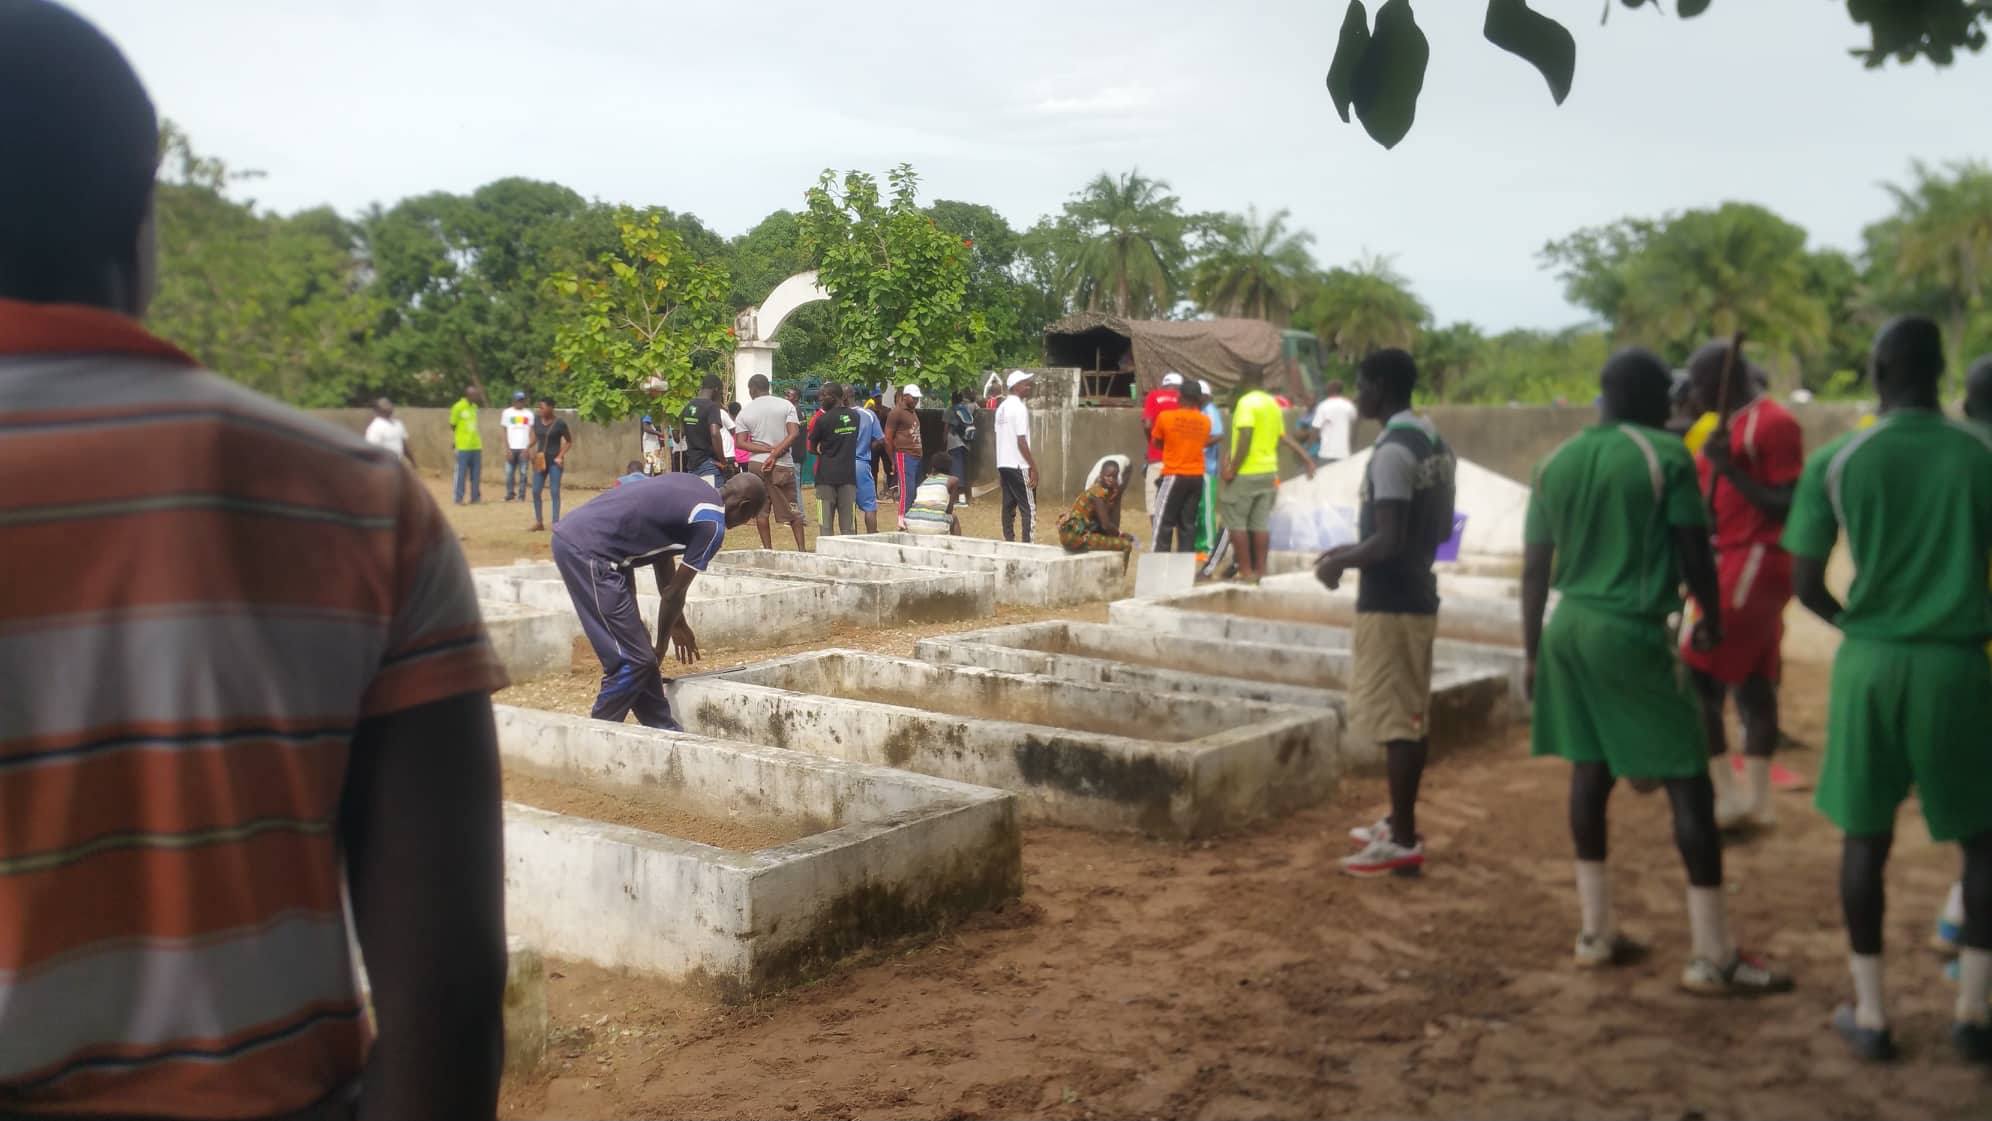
[{"x": 1731, "y": 362}]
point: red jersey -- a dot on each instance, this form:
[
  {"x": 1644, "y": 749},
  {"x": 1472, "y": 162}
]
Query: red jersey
[
  {"x": 1157, "y": 402},
  {"x": 1765, "y": 443}
]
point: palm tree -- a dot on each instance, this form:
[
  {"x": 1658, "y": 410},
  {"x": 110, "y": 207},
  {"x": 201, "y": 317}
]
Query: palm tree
[
  {"x": 1257, "y": 269},
  {"x": 1126, "y": 246},
  {"x": 1938, "y": 246},
  {"x": 1364, "y": 308}
]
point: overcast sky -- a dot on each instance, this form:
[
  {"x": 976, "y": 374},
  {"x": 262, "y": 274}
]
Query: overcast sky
[{"x": 730, "y": 111}]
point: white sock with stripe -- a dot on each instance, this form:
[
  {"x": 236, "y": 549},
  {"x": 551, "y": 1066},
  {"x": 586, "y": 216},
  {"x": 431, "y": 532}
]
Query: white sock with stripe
[
  {"x": 1757, "y": 770},
  {"x": 1974, "y": 985},
  {"x": 1869, "y": 1012},
  {"x": 1954, "y": 905},
  {"x": 1724, "y": 779},
  {"x": 1594, "y": 899},
  {"x": 1708, "y": 922}
]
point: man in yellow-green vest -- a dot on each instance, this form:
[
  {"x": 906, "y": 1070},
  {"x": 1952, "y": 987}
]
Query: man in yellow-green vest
[{"x": 469, "y": 445}]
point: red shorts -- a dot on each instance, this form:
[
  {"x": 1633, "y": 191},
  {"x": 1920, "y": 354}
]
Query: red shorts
[{"x": 1756, "y": 586}]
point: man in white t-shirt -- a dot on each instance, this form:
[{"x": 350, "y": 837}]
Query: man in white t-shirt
[
  {"x": 1015, "y": 465},
  {"x": 517, "y": 422},
  {"x": 769, "y": 428},
  {"x": 1334, "y": 423},
  {"x": 383, "y": 431}
]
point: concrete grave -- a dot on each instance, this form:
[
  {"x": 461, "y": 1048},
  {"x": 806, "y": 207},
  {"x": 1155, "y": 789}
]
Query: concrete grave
[
  {"x": 1026, "y": 575},
  {"x": 875, "y": 854},
  {"x": 530, "y": 642},
  {"x": 1468, "y": 701},
  {"x": 727, "y": 609},
  {"x": 1095, "y": 756},
  {"x": 1211, "y": 618},
  {"x": 870, "y": 593},
  {"x": 1471, "y": 608}
]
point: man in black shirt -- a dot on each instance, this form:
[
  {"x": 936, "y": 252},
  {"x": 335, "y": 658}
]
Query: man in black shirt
[
  {"x": 833, "y": 436},
  {"x": 1407, "y": 513},
  {"x": 551, "y": 441},
  {"x": 700, "y": 420}
]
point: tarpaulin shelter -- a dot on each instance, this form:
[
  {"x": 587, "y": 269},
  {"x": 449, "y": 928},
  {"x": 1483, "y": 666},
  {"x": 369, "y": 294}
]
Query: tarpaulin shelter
[{"x": 1127, "y": 357}]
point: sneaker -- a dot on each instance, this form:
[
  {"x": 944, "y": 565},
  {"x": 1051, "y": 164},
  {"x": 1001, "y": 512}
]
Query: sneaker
[
  {"x": 1870, "y": 1045},
  {"x": 1973, "y": 1042},
  {"x": 1744, "y": 976},
  {"x": 1739, "y": 816},
  {"x": 1384, "y": 857},
  {"x": 1366, "y": 835},
  {"x": 1594, "y": 952},
  {"x": 1783, "y": 778}
]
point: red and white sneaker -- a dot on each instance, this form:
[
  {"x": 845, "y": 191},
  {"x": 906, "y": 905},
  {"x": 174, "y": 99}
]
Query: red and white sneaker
[
  {"x": 1366, "y": 835},
  {"x": 1384, "y": 857}
]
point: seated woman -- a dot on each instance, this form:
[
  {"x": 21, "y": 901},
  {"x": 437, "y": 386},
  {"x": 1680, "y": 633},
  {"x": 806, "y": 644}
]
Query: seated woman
[
  {"x": 932, "y": 508},
  {"x": 1094, "y": 522}
]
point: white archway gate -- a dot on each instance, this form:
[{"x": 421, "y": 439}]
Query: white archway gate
[{"x": 754, "y": 328}]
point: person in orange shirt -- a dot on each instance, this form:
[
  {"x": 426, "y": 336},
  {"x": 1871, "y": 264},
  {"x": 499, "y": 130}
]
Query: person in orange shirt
[{"x": 1182, "y": 433}]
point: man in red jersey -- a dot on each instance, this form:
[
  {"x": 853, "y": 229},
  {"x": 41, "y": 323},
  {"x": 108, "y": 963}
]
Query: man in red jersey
[{"x": 1748, "y": 466}]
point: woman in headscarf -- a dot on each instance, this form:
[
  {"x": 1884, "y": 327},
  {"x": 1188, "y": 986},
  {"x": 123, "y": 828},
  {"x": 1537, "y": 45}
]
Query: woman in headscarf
[{"x": 1094, "y": 523}]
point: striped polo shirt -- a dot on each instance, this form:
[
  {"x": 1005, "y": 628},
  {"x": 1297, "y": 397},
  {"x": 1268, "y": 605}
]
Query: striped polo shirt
[{"x": 202, "y": 593}]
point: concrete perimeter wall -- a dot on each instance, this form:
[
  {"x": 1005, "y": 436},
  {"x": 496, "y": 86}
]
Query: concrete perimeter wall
[{"x": 1068, "y": 441}]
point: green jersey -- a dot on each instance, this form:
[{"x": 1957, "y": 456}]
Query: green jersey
[
  {"x": 1609, "y": 500},
  {"x": 463, "y": 426},
  {"x": 1914, "y": 495}
]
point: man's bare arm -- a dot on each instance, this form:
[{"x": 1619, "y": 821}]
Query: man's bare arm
[
  {"x": 1697, "y": 560},
  {"x": 1538, "y": 561},
  {"x": 1808, "y": 580},
  {"x": 420, "y": 826},
  {"x": 674, "y": 582}
]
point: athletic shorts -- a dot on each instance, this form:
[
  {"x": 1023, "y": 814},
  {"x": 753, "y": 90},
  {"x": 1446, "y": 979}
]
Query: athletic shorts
[
  {"x": 1756, "y": 586},
  {"x": 867, "y": 488},
  {"x": 1902, "y": 715},
  {"x": 1390, "y": 683},
  {"x": 1609, "y": 689},
  {"x": 1248, "y": 502}
]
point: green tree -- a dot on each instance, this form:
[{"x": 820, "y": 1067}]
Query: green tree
[
  {"x": 1533, "y": 367},
  {"x": 898, "y": 282},
  {"x": 1675, "y": 283},
  {"x": 644, "y": 322},
  {"x": 1362, "y": 308},
  {"x": 1120, "y": 246},
  {"x": 1378, "y": 72},
  {"x": 1934, "y": 254},
  {"x": 1257, "y": 269},
  {"x": 1447, "y": 357},
  {"x": 280, "y": 304},
  {"x": 1016, "y": 322},
  {"x": 765, "y": 256}
]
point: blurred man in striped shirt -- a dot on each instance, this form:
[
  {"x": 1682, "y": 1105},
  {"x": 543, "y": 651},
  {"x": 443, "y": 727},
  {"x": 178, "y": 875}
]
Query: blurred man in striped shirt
[{"x": 232, "y": 686}]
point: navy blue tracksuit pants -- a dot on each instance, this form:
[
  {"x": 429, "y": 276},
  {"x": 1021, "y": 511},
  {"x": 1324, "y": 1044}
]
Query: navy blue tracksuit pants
[{"x": 604, "y": 597}]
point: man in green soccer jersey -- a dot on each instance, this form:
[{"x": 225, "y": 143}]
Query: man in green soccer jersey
[
  {"x": 1912, "y": 690},
  {"x": 1617, "y": 517}
]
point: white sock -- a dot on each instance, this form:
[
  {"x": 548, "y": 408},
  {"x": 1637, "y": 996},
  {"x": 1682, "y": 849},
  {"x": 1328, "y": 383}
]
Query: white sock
[
  {"x": 1594, "y": 899},
  {"x": 1708, "y": 921},
  {"x": 1868, "y": 1008},
  {"x": 1757, "y": 771},
  {"x": 1723, "y": 778},
  {"x": 1974, "y": 985},
  {"x": 1954, "y": 905}
]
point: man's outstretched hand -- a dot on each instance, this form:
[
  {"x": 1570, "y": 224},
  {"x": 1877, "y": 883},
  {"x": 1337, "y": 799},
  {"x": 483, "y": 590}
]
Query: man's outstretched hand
[{"x": 686, "y": 642}]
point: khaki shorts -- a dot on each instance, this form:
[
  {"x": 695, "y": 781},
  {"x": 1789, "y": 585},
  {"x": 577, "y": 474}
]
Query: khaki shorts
[
  {"x": 1390, "y": 691},
  {"x": 1247, "y": 502},
  {"x": 781, "y": 495}
]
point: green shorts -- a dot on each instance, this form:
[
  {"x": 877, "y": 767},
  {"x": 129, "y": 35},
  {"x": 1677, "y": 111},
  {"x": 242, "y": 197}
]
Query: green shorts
[
  {"x": 1248, "y": 502},
  {"x": 1610, "y": 689},
  {"x": 1906, "y": 714}
]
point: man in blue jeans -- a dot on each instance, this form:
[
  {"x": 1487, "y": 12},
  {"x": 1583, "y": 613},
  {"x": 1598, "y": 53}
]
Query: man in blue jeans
[
  {"x": 700, "y": 421},
  {"x": 469, "y": 444},
  {"x": 551, "y": 441},
  {"x": 871, "y": 438}
]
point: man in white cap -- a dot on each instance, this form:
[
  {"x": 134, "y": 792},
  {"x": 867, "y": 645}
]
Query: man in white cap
[
  {"x": 902, "y": 443},
  {"x": 1159, "y": 400},
  {"x": 1015, "y": 465}
]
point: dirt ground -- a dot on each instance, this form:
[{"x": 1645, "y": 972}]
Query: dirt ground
[
  {"x": 1243, "y": 978},
  {"x": 638, "y": 808}
]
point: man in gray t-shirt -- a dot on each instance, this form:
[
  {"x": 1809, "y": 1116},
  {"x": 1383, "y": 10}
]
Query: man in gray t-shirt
[{"x": 768, "y": 427}]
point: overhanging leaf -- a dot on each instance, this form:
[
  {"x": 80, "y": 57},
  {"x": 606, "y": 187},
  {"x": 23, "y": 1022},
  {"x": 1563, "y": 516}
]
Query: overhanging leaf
[
  {"x": 1535, "y": 38},
  {"x": 1392, "y": 74},
  {"x": 1349, "y": 50},
  {"x": 1689, "y": 9}
]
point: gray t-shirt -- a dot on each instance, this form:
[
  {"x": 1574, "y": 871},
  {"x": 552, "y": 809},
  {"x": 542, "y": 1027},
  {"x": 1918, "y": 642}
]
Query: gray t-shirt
[{"x": 766, "y": 420}]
